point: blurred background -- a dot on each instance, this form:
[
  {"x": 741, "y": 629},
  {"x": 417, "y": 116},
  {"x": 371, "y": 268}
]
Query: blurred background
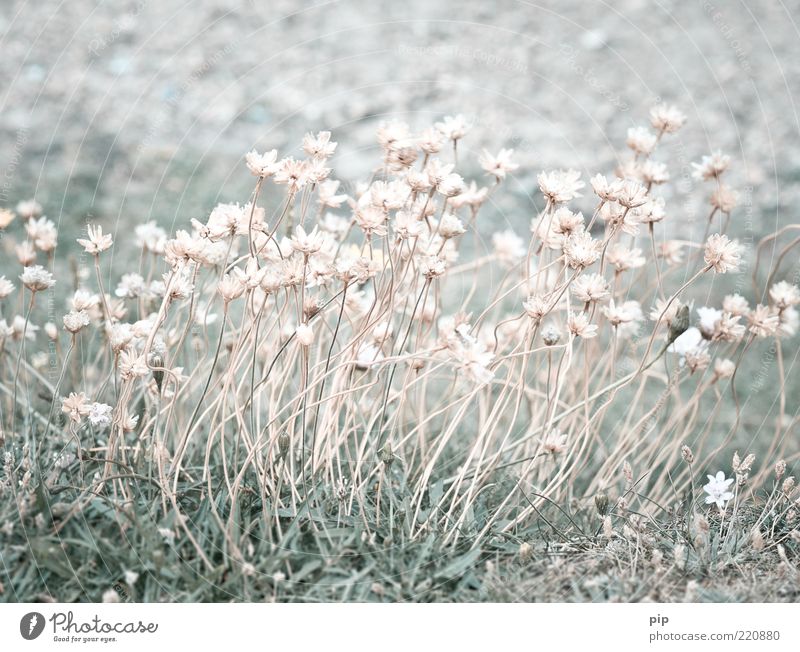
[{"x": 141, "y": 109}]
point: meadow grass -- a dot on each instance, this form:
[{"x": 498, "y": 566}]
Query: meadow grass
[{"x": 320, "y": 395}]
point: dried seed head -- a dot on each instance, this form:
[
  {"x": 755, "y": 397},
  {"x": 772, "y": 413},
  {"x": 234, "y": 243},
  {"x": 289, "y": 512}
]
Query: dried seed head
[
  {"x": 687, "y": 455},
  {"x": 386, "y": 454},
  {"x": 747, "y": 464},
  {"x": 283, "y": 445},
  {"x": 679, "y": 325},
  {"x": 157, "y": 364},
  {"x": 757, "y": 539},
  {"x": 551, "y": 335},
  {"x": 608, "y": 528},
  {"x": 525, "y": 551},
  {"x": 627, "y": 472},
  {"x": 780, "y": 469},
  {"x": 601, "y": 503},
  {"x": 701, "y": 523}
]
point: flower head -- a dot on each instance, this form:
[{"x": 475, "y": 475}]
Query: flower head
[
  {"x": 581, "y": 250},
  {"x": 100, "y": 415},
  {"x": 499, "y": 165},
  {"x": 37, "y": 278},
  {"x": 711, "y": 167},
  {"x": 453, "y": 127},
  {"x": 76, "y": 406},
  {"x": 560, "y": 185},
  {"x": 262, "y": 165},
  {"x": 97, "y": 242},
  {"x": 723, "y": 254},
  {"x": 319, "y": 146},
  {"x": 718, "y": 490},
  {"x": 667, "y": 119}
]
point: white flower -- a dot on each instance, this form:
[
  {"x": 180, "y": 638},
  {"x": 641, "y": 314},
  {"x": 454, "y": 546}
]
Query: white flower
[
  {"x": 641, "y": 140},
  {"x": 498, "y": 165},
  {"x": 710, "y": 167},
  {"x": 718, "y": 490},
  {"x": 708, "y": 320},
  {"x": 37, "y": 278},
  {"x": 579, "y": 326},
  {"x": 305, "y": 335},
  {"x": 666, "y": 118},
  {"x": 150, "y": 237},
  {"x": 130, "y": 286},
  {"x": 686, "y": 342},
  {"x": 554, "y": 443},
  {"x": 319, "y": 146},
  {"x": 368, "y": 355},
  {"x": 327, "y": 194},
  {"x": 784, "y": 294},
  {"x": 306, "y": 243},
  {"x": 262, "y": 165},
  {"x": 97, "y": 241},
  {"x": 453, "y": 127},
  {"x": 75, "y": 320},
  {"x": 6, "y": 287},
  {"x": 508, "y": 247},
  {"x": 560, "y": 185},
  {"x": 29, "y": 208},
  {"x": 722, "y": 254},
  {"x": 605, "y": 190},
  {"x": 100, "y": 415}
]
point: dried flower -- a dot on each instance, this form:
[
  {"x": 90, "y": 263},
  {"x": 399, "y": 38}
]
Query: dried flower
[
  {"x": 560, "y": 185},
  {"x": 554, "y": 443},
  {"x": 262, "y": 165},
  {"x": 581, "y": 250},
  {"x": 667, "y": 119},
  {"x": 724, "y": 368},
  {"x": 6, "y": 217},
  {"x": 453, "y": 127},
  {"x": 76, "y": 406},
  {"x": 579, "y": 326},
  {"x": 590, "y": 288},
  {"x": 763, "y": 321},
  {"x": 37, "y": 278},
  {"x": 6, "y": 287},
  {"x": 97, "y": 242},
  {"x": 499, "y": 165},
  {"x": 605, "y": 190},
  {"x": 724, "y": 198},
  {"x": 74, "y": 321},
  {"x": 723, "y": 254},
  {"x": 305, "y": 335},
  {"x": 319, "y": 146},
  {"x": 711, "y": 167},
  {"x": 641, "y": 140},
  {"x": 780, "y": 469},
  {"x": 784, "y": 295}
]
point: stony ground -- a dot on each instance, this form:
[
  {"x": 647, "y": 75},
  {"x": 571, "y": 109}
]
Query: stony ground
[{"x": 133, "y": 109}]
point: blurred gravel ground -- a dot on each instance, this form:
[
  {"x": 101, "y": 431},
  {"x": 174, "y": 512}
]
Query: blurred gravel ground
[{"x": 129, "y": 110}]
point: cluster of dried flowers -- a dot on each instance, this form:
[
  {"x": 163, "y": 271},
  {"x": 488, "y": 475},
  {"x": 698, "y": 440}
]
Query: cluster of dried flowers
[{"x": 342, "y": 332}]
